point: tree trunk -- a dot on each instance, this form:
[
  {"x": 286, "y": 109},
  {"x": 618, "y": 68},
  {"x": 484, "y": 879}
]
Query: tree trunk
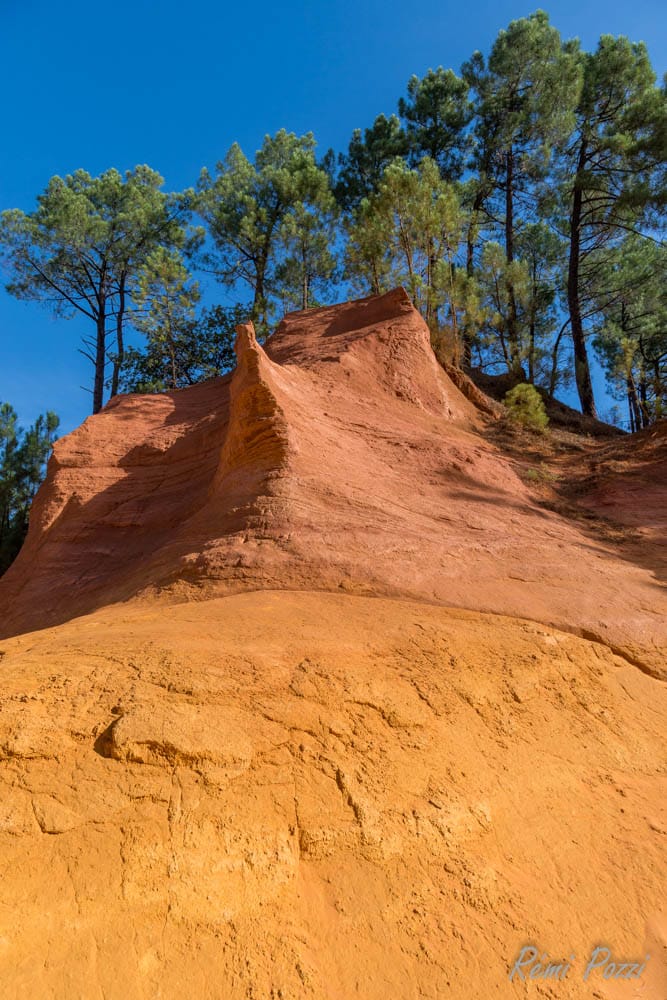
[
  {"x": 632, "y": 424},
  {"x": 643, "y": 402},
  {"x": 430, "y": 268},
  {"x": 458, "y": 339},
  {"x": 633, "y": 404},
  {"x": 554, "y": 361},
  {"x": 4, "y": 522},
  {"x": 406, "y": 246},
  {"x": 531, "y": 354},
  {"x": 120, "y": 346},
  {"x": 533, "y": 325},
  {"x": 512, "y": 321},
  {"x": 470, "y": 271},
  {"x": 506, "y": 356},
  {"x": 100, "y": 358},
  {"x": 174, "y": 379},
  {"x": 258, "y": 300},
  {"x": 582, "y": 369},
  {"x": 304, "y": 293},
  {"x": 375, "y": 280},
  {"x": 466, "y": 352},
  {"x": 657, "y": 388}
]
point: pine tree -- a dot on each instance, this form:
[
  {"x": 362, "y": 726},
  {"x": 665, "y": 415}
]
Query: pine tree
[
  {"x": 525, "y": 96},
  {"x": 81, "y": 249},
  {"x": 410, "y": 233},
  {"x": 165, "y": 300},
  {"x": 631, "y": 327},
  {"x": 369, "y": 154},
  {"x": 23, "y": 457},
  {"x": 437, "y": 113},
  {"x": 612, "y": 174},
  {"x": 246, "y": 208},
  {"x": 308, "y": 263},
  {"x": 203, "y": 349}
]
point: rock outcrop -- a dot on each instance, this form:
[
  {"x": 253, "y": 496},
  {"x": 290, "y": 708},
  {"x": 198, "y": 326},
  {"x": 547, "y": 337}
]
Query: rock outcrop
[
  {"x": 325, "y": 702},
  {"x": 338, "y": 456}
]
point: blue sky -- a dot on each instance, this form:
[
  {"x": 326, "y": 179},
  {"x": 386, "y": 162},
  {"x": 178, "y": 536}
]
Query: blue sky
[{"x": 174, "y": 84}]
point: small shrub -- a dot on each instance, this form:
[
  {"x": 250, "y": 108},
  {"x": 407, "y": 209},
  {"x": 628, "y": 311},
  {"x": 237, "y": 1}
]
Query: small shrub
[
  {"x": 526, "y": 407},
  {"x": 541, "y": 475}
]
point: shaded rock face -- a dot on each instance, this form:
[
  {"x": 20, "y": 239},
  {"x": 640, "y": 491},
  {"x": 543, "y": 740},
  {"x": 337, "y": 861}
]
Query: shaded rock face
[
  {"x": 212, "y": 483},
  {"x": 339, "y": 456}
]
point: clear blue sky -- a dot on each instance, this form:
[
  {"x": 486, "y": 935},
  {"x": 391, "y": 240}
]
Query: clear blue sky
[{"x": 174, "y": 84}]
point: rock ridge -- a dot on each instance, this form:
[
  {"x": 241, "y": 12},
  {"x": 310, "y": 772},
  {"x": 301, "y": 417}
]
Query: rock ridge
[{"x": 337, "y": 456}]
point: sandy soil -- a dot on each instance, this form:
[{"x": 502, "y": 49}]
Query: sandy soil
[{"x": 315, "y": 795}]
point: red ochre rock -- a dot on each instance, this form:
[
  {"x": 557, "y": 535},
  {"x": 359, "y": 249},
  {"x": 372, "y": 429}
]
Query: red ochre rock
[
  {"x": 337, "y": 456},
  {"x": 267, "y": 760}
]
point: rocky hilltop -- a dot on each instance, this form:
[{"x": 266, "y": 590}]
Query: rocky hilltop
[
  {"x": 339, "y": 456},
  {"x": 310, "y": 691}
]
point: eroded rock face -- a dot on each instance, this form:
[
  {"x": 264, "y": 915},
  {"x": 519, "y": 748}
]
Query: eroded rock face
[
  {"x": 340, "y": 456},
  {"x": 279, "y": 766},
  {"x": 323, "y": 796}
]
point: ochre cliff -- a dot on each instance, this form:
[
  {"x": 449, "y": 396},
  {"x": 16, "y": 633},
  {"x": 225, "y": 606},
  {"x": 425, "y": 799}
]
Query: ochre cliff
[
  {"x": 340, "y": 456},
  {"x": 308, "y": 691},
  {"x": 324, "y": 796}
]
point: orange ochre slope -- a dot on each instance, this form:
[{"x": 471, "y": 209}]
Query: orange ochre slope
[{"x": 306, "y": 694}]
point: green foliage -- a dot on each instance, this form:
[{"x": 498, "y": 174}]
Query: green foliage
[
  {"x": 368, "y": 156},
  {"x": 409, "y": 233},
  {"x": 542, "y": 475},
  {"x": 525, "y": 96},
  {"x": 23, "y": 457},
  {"x": 81, "y": 250},
  {"x": 200, "y": 349},
  {"x": 631, "y": 334},
  {"x": 166, "y": 298},
  {"x": 504, "y": 286},
  {"x": 253, "y": 210},
  {"x": 308, "y": 265},
  {"x": 437, "y": 113},
  {"x": 612, "y": 175},
  {"x": 541, "y": 252},
  {"x": 526, "y": 407},
  {"x": 524, "y": 103},
  {"x": 529, "y": 285},
  {"x": 505, "y": 199}
]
